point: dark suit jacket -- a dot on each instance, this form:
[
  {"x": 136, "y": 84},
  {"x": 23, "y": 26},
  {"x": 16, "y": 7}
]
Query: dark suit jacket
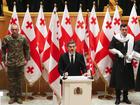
[{"x": 74, "y": 69}]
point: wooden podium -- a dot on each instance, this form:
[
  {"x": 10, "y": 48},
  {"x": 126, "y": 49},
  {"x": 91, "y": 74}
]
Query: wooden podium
[{"x": 76, "y": 90}]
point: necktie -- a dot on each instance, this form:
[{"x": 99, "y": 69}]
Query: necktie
[{"x": 71, "y": 58}]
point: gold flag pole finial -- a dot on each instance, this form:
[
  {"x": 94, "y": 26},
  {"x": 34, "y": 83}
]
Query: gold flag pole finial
[
  {"x": 87, "y": 10},
  {"x": 135, "y": 1},
  {"x": 80, "y": 5},
  {"x": 41, "y": 3},
  {"x": 108, "y": 6},
  {"x": 116, "y": 2},
  {"x": 66, "y": 2},
  {"x": 94, "y": 4},
  {"x": 27, "y": 5},
  {"x": 14, "y": 3},
  {"x": 55, "y": 6}
]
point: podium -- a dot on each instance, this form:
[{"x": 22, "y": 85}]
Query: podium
[{"x": 76, "y": 90}]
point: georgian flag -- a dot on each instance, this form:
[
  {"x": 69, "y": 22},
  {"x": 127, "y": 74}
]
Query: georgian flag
[
  {"x": 116, "y": 21},
  {"x": 79, "y": 33},
  {"x": 33, "y": 68},
  {"x": 134, "y": 29},
  {"x": 66, "y": 30},
  {"x": 103, "y": 58},
  {"x": 13, "y": 20}
]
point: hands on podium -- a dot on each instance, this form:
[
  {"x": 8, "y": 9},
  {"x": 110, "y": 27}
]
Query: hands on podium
[
  {"x": 65, "y": 75},
  {"x": 88, "y": 74}
]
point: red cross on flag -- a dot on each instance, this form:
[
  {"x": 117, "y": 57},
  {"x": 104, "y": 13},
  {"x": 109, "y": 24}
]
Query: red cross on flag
[
  {"x": 134, "y": 29},
  {"x": 14, "y": 19},
  {"x": 79, "y": 33},
  {"x": 41, "y": 30},
  {"x": 94, "y": 31},
  {"x": 33, "y": 68},
  {"x": 116, "y": 21},
  {"x": 66, "y": 30},
  {"x": 102, "y": 57},
  {"x": 133, "y": 24}
]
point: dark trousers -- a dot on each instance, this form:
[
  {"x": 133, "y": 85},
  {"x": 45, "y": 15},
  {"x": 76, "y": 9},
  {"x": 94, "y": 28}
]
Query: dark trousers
[{"x": 15, "y": 77}]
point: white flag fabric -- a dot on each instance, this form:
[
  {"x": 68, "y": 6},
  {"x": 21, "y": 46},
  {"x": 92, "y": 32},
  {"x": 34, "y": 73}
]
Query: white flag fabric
[
  {"x": 66, "y": 30},
  {"x": 133, "y": 24},
  {"x": 116, "y": 21},
  {"x": 79, "y": 33},
  {"x": 54, "y": 34},
  {"x": 94, "y": 31},
  {"x": 93, "y": 39},
  {"x": 33, "y": 68},
  {"x": 103, "y": 59},
  {"x": 134, "y": 29},
  {"x": 13, "y": 20},
  {"x": 41, "y": 30},
  {"x": 41, "y": 33}
]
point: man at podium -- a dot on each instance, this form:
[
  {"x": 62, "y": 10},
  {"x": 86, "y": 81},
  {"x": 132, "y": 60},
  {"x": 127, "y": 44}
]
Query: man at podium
[{"x": 71, "y": 63}]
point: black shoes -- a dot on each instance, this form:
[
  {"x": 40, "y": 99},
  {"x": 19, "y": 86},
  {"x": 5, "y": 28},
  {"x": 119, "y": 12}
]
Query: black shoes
[
  {"x": 19, "y": 101},
  {"x": 11, "y": 101},
  {"x": 127, "y": 101},
  {"x": 117, "y": 102}
]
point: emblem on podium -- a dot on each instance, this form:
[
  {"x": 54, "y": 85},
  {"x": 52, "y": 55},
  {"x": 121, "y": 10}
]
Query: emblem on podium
[{"x": 78, "y": 91}]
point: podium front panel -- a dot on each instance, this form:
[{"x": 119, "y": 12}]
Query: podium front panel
[{"x": 76, "y": 90}]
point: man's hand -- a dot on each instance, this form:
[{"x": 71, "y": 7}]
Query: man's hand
[
  {"x": 25, "y": 62},
  {"x": 66, "y": 74},
  {"x": 120, "y": 54},
  {"x": 4, "y": 66},
  {"x": 86, "y": 74}
]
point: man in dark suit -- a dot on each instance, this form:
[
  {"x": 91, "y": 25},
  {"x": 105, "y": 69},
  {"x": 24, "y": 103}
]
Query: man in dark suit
[{"x": 71, "y": 63}]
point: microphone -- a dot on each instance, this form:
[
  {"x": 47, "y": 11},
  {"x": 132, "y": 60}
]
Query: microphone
[{"x": 91, "y": 77}]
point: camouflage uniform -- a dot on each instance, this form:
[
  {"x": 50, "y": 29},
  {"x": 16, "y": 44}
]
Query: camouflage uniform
[{"x": 17, "y": 51}]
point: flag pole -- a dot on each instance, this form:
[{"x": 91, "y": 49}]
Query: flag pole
[
  {"x": 39, "y": 86},
  {"x": 106, "y": 94},
  {"x": 26, "y": 89}
]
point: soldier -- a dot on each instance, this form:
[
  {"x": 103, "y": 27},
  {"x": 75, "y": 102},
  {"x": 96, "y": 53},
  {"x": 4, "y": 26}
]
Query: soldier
[{"x": 15, "y": 54}]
